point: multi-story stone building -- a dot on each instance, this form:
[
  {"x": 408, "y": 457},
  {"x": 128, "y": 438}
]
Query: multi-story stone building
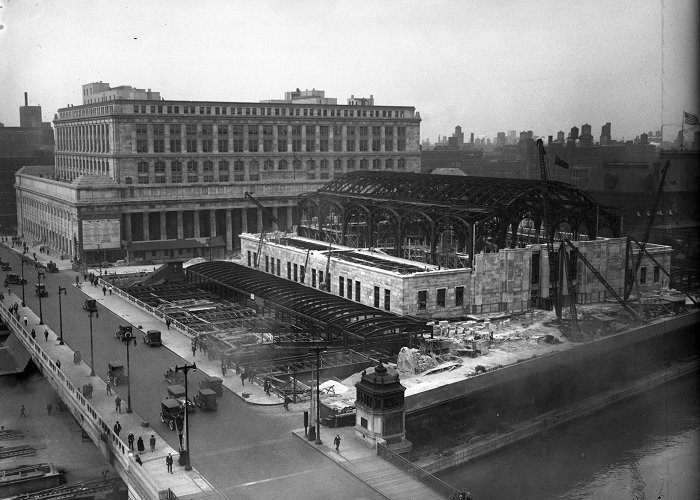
[
  {"x": 147, "y": 179},
  {"x": 29, "y": 144}
]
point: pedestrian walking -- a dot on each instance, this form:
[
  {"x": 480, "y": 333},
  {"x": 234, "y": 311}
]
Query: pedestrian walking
[
  {"x": 336, "y": 442},
  {"x": 152, "y": 442},
  {"x": 104, "y": 290},
  {"x": 243, "y": 378},
  {"x": 223, "y": 368},
  {"x": 46, "y": 335},
  {"x": 25, "y": 321},
  {"x": 33, "y": 334},
  {"x": 22, "y": 415},
  {"x": 130, "y": 441},
  {"x": 117, "y": 428},
  {"x": 200, "y": 342},
  {"x": 118, "y": 404},
  {"x": 109, "y": 388},
  {"x": 286, "y": 402},
  {"x": 167, "y": 323},
  {"x": 138, "y": 460},
  {"x": 169, "y": 462},
  {"x": 139, "y": 445},
  {"x": 110, "y": 289},
  {"x": 58, "y": 364},
  {"x": 194, "y": 347},
  {"x": 49, "y": 407}
]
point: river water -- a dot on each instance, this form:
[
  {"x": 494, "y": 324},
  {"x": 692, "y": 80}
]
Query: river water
[{"x": 647, "y": 447}]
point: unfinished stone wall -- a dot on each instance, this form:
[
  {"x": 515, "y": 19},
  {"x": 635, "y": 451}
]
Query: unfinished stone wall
[{"x": 501, "y": 281}]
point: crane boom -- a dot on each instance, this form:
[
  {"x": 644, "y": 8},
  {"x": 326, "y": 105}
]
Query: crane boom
[
  {"x": 631, "y": 274},
  {"x": 262, "y": 229},
  {"x": 549, "y": 231},
  {"x": 602, "y": 280}
]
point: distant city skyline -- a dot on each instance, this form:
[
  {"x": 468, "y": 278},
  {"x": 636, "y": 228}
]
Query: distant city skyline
[{"x": 487, "y": 66}]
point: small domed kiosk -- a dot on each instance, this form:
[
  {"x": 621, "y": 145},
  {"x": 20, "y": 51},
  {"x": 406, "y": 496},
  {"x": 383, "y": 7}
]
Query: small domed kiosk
[{"x": 380, "y": 408}]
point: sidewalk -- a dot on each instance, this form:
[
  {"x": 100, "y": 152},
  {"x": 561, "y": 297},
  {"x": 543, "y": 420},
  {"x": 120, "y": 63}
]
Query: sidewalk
[{"x": 362, "y": 461}]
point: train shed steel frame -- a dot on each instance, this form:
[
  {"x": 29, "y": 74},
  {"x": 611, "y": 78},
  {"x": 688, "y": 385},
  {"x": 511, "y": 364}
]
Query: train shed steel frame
[
  {"x": 334, "y": 319},
  {"x": 444, "y": 213}
]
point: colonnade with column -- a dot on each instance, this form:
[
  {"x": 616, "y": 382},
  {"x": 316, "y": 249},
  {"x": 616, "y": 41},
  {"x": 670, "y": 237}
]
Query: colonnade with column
[
  {"x": 46, "y": 223},
  {"x": 154, "y": 225}
]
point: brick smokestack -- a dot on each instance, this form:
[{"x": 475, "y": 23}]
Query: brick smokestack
[{"x": 26, "y": 100}]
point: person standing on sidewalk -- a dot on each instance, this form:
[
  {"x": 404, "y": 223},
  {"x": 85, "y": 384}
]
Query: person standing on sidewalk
[
  {"x": 33, "y": 334},
  {"x": 152, "y": 442},
  {"x": 336, "y": 442},
  {"x": 169, "y": 462},
  {"x": 49, "y": 407},
  {"x": 130, "y": 441},
  {"x": 118, "y": 404},
  {"x": 25, "y": 321},
  {"x": 117, "y": 428},
  {"x": 46, "y": 335},
  {"x": 104, "y": 290},
  {"x": 139, "y": 445},
  {"x": 109, "y": 388}
]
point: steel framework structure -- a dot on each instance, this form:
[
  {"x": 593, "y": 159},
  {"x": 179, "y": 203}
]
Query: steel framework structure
[
  {"x": 336, "y": 319},
  {"x": 445, "y": 219}
]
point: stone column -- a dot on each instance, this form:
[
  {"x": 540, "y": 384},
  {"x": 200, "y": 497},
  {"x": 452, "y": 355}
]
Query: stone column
[
  {"x": 244, "y": 220},
  {"x": 146, "y": 232},
  {"x": 164, "y": 225},
  {"x": 275, "y": 226},
  {"x": 127, "y": 228},
  {"x": 382, "y": 138},
  {"x": 229, "y": 230},
  {"x": 290, "y": 222},
  {"x": 259, "y": 214},
  {"x": 195, "y": 219},
  {"x": 212, "y": 223},
  {"x": 180, "y": 227}
]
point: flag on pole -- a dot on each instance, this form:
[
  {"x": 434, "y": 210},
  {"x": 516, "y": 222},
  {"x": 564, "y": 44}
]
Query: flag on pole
[
  {"x": 560, "y": 163},
  {"x": 690, "y": 119}
]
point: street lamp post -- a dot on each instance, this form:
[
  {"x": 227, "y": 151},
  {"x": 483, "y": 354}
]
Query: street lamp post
[
  {"x": 39, "y": 275},
  {"x": 24, "y": 263},
  {"x": 186, "y": 368},
  {"x": 318, "y": 350},
  {"x": 92, "y": 352},
  {"x": 60, "y": 314},
  {"x": 127, "y": 340}
]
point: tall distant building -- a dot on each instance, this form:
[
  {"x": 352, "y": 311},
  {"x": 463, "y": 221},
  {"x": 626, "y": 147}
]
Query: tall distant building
[
  {"x": 561, "y": 137},
  {"x": 605, "y": 136},
  {"x": 586, "y": 138},
  {"x": 501, "y": 139},
  {"x": 148, "y": 179}
]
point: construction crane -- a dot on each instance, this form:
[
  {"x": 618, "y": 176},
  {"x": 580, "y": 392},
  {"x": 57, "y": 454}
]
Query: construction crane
[
  {"x": 602, "y": 280},
  {"x": 631, "y": 273},
  {"x": 250, "y": 196},
  {"x": 565, "y": 266},
  {"x": 549, "y": 230}
]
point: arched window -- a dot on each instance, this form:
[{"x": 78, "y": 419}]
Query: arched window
[{"x": 282, "y": 165}]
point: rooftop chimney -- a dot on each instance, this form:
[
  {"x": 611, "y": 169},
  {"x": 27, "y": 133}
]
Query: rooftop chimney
[{"x": 26, "y": 101}]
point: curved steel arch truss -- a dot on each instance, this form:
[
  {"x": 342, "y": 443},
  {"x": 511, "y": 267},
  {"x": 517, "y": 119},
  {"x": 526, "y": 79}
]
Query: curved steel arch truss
[{"x": 377, "y": 208}]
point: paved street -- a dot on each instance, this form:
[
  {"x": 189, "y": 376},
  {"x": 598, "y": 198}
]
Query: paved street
[{"x": 244, "y": 450}]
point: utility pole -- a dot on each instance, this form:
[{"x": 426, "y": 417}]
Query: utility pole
[
  {"x": 60, "y": 314},
  {"x": 186, "y": 368}
]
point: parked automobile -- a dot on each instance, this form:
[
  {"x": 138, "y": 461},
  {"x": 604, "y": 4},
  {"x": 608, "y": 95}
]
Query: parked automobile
[
  {"x": 90, "y": 305},
  {"x": 115, "y": 372},
  {"x": 124, "y": 332},
  {"x": 178, "y": 392},
  {"x": 206, "y": 399},
  {"x": 171, "y": 413},
  {"x": 14, "y": 279},
  {"x": 152, "y": 338},
  {"x": 51, "y": 267}
]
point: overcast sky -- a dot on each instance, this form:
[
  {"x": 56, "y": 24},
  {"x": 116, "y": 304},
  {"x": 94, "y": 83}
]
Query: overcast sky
[{"x": 488, "y": 66}]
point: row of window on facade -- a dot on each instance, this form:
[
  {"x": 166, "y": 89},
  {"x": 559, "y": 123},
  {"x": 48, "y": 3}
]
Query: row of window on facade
[
  {"x": 222, "y": 173},
  {"x": 89, "y": 138},
  {"x": 265, "y": 111},
  {"x": 256, "y": 142},
  {"x": 296, "y": 272},
  {"x": 140, "y": 255}
]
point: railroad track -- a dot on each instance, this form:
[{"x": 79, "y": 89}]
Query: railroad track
[
  {"x": 83, "y": 489},
  {"x": 10, "y": 434},
  {"x": 16, "y": 451}
]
